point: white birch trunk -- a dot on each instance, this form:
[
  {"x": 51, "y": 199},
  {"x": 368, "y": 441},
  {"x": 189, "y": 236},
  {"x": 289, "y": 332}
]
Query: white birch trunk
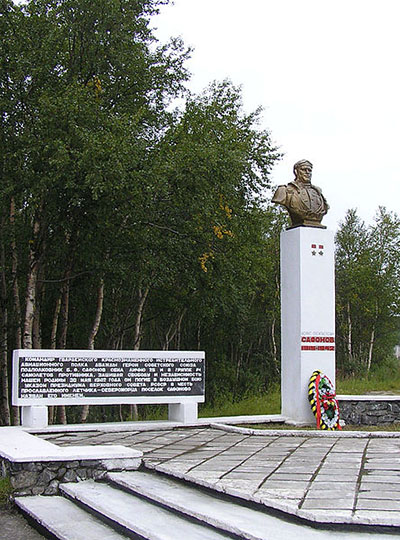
[
  {"x": 17, "y": 303},
  {"x": 62, "y": 343},
  {"x": 142, "y": 296},
  {"x": 93, "y": 334},
  {"x": 349, "y": 332},
  {"x": 372, "y": 339},
  {"x": 30, "y": 296},
  {"x": 5, "y": 406}
]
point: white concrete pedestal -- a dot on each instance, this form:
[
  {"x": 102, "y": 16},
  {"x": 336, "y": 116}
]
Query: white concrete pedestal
[
  {"x": 308, "y": 315},
  {"x": 34, "y": 417},
  {"x": 185, "y": 412}
]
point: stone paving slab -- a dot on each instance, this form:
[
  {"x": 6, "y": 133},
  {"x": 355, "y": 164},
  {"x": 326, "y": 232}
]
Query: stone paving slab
[
  {"x": 332, "y": 479},
  {"x": 378, "y": 504},
  {"x": 345, "y": 503},
  {"x": 385, "y": 494}
]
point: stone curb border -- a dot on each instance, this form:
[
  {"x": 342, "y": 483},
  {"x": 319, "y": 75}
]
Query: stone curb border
[
  {"x": 308, "y": 433},
  {"x": 159, "y": 425},
  {"x": 368, "y": 397}
]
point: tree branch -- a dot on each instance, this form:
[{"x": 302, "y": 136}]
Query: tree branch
[{"x": 65, "y": 278}]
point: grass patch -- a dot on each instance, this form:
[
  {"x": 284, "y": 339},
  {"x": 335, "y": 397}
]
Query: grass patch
[
  {"x": 5, "y": 490},
  {"x": 267, "y": 404},
  {"x": 373, "y": 382},
  {"x": 270, "y": 403},
  {"x": 385, "y": 378}
]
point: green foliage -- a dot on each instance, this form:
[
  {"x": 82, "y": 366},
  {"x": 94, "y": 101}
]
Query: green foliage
[
  {"x": 269, "y": 403},
  {"x": 384, "y": 377},
  {"x": 5, "y": 490},
  {"x": 367, "y": 292},
  {"x": 162, "y": 211}
]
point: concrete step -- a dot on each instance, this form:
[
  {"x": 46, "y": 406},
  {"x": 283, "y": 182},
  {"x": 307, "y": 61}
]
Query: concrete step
[
  {"x": 226, "y": 515},
  {"x": 135, "y": 515},
  {"x": 149, "y": 506},
  {"x": 65, "y": 520},
  {"x": 244, "y": 522}
]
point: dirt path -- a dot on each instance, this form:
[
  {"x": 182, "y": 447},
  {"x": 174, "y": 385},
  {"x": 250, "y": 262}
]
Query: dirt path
[{"x": 15, "y": 527}]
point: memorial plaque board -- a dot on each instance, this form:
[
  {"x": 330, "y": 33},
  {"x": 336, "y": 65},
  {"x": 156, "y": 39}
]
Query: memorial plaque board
[{"x": 75, "y": 377}]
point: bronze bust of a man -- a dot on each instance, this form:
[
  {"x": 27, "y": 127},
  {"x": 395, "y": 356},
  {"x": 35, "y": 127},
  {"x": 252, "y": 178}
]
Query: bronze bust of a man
[{"x": 304, "y": 202}]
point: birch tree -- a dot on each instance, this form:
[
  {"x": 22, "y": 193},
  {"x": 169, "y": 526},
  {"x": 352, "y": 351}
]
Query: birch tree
[{"x": 368, "y": 298}]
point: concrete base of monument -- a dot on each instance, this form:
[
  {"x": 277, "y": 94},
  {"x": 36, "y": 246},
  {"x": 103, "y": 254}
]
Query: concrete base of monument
[
  {"x": 297, "y": 423},
  {"x": 308, "y": 315},
  {"x": 34, "y": 416}
]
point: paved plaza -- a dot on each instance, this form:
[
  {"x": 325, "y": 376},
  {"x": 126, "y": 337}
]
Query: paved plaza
[{"x": 322, "y": 477}]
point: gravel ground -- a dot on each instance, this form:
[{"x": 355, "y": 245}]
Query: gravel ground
[{"x": 14, "y": 527}]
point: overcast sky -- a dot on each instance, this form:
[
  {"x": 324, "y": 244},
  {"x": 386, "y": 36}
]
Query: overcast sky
[{"x": 327, "y": 75}]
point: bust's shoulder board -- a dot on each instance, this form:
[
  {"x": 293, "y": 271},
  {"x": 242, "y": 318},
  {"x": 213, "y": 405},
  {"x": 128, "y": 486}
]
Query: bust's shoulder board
[
  {"x": 292, "y": 186},
  {"x": 318, "y": 189},
  {"x": 280, "y": 195}
]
